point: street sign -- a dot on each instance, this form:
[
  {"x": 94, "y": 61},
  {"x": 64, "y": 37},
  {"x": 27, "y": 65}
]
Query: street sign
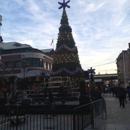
[
  {"x": 91, "y": 71},
  {"x": 120, "y": 75}
]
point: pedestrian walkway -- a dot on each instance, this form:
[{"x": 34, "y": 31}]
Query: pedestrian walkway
[{"x": 118, "y": 118}]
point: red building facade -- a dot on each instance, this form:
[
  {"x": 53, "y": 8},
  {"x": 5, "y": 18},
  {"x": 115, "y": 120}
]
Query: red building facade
[
  {"x": 123, "y": 67},
  {"x": 23, "y": 62}
]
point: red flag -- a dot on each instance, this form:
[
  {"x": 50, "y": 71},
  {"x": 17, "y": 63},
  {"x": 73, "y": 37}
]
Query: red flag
[{"x": 52, "y": 42}]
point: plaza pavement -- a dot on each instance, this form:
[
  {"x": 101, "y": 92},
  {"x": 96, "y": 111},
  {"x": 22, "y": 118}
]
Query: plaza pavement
[{"x": 118, "y": 118}]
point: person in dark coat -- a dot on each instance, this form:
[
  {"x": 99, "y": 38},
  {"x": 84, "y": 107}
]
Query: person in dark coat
[
  {"x": 122, "y": 96},
  {"x": 52, "y": 105},
  {"x": 128, "y": 91},
  {"x": 96, "y": 95}
]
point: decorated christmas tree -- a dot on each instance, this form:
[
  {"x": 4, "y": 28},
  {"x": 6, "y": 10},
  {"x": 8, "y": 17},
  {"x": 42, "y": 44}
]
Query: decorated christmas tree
[{"x": 66, "y": 60}]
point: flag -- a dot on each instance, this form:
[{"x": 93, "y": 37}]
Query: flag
[{"x": 52, "y": 42}]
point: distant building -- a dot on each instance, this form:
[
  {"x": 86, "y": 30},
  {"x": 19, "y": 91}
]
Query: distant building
[
  {"x": 123, "y": 67},
  {"x": 23, "y": 61},
  {"x": 48, "y": 52}
]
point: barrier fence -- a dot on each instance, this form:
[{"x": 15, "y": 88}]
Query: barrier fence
[
  {"x": 86, "y": 114},
  {"x": 82, "y": 116},
  {"x": 17, "y": 117}
]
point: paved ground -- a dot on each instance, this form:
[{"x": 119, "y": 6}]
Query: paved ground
[{"x": 118, "y": 118}]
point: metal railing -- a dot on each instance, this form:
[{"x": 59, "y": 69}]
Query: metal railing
[
  {"x": 82, "y": 116},
  {"x": 86, "y": 114},
  {"x": 18, "y": 117}
]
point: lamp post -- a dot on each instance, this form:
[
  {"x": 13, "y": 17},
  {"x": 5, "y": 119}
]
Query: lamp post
[
  {"x": 24, "y": 67},
  {"x": 12, "y": 88},
  {"x": 91, "y": 80},
  {"x": 0, "y": 28},
  {"x": 91, "y": 72}
]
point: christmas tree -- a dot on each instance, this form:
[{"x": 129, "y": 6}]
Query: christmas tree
[{"x": 66, "y": 61}]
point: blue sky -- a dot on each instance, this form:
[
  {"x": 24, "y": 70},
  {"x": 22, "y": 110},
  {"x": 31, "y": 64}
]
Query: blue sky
[{"x": 101, "y": 28}]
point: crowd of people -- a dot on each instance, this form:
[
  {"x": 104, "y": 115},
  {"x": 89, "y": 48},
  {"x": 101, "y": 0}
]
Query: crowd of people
[
  {"x": 118, "y": 92},
  {"x": 122, "y": 93}
]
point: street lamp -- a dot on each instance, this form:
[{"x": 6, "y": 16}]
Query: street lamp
[
  {"x": 0, "y": 28},
  {"x": 91, "y": 80},
  {"x": 91, "y": 72},
  {"x": 24, "y": 67}
]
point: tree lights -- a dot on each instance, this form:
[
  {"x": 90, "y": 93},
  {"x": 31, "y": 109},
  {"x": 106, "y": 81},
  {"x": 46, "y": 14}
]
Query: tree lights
[{"x": 66, "y": 60}]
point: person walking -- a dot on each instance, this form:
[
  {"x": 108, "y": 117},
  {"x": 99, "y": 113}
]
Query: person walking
[
  {"x": 52, "y": 103},
  {"x": 122, "y": 96},
  {"x": 128, "y": 91},
  {"x": 96, "y": 96},
  {"x": 51, "y": 99}
]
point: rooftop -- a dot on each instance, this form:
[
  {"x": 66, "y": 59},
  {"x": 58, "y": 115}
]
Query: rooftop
[{"x": 13, "y": 45}]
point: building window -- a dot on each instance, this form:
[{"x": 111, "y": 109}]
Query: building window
[
  {"x": 18, "y": 64},
  {"x": 41, "y": 63},
  {"x": 34, "y": 62},
  {"x": 9, "y": 64}
]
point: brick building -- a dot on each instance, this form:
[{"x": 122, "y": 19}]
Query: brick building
[
  {"x": 123, "y": 67},
  {"x": 23, "y": 61}
]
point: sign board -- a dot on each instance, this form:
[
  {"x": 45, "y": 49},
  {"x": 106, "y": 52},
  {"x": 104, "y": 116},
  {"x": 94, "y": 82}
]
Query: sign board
[
  {"x": 120, "y": 75},
  {"x": 95, "y": 80}
]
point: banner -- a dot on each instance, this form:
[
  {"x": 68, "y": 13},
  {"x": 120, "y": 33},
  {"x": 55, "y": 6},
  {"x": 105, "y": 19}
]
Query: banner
[{"x": 120, "y": 75}]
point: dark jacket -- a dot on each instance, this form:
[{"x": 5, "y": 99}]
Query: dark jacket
[
  {"x": 51, "y": 97},
  {"x": 96, "y": 95},
  {"x": 128, "y": 90},
  {"x": 122, "y": 92}
]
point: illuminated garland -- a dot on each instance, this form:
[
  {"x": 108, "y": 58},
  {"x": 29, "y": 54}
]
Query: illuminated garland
[
  {"x": 65, "y": 35},
  {"x": 61, "y": 58},
  {"x": 66, "y": 47},
  {"x": 67, "y": 71}
]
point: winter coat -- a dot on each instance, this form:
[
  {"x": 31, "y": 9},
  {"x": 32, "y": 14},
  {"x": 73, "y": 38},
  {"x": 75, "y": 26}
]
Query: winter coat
[{"x": 122, "y": 92}]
